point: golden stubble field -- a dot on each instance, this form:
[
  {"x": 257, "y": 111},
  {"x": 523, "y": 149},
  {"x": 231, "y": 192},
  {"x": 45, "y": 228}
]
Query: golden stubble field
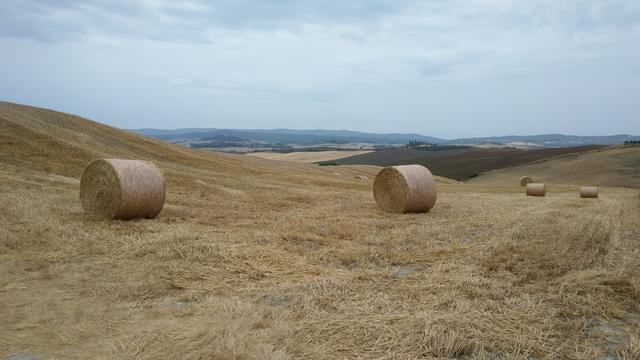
[{"x": 257, "y": 259}]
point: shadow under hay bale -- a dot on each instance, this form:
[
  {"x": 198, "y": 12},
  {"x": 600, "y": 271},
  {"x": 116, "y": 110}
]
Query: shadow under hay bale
[
  {"x": 536, "y": 190},
  {"x": 589, "y": 192},
  {"x": 122, "y": 189},
  {"x": 405, "y": 188}
]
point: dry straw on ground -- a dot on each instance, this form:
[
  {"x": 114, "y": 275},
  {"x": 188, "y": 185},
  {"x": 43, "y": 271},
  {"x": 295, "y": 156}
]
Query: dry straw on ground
[
  {"x": 589, "y": 192},
  {"x": 406, "y": 188},
  {"x": 122, "y": 189},
  {"x": 255, "y": 259},
  {"x": 536, "y": 189},
  {"x": 525, "y": 180}
]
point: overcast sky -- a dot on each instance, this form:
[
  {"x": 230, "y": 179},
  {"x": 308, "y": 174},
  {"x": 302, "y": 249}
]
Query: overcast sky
[{"x": 448, "y": 68}]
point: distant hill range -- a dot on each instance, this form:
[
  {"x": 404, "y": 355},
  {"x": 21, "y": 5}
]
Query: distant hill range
[
  {"x": 316, "y": 137},
  {"x": 287, "y": 136},
  {"x": 550, "y": 140}
]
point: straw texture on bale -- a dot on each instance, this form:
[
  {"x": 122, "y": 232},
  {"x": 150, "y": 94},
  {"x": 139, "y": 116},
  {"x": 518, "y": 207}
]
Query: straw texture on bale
[
  {"x": 122, "y": 189},
  {"x": 406, "y": 188},
  {"x": 589, "y": 192},
  {"x": 536, "y": 189},
  {"x": 525, "y": 180}
]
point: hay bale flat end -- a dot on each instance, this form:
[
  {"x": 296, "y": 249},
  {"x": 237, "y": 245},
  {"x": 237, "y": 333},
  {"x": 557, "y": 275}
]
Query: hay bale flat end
[
  {"x": 122, "y": 189},
  {"x": 405, "y": 189},
  {"x": 525, "y": 180}
]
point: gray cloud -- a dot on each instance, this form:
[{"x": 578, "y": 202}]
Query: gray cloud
[
  {"x": 435, "y": 66},
  {"x": 184, "y": 20}
]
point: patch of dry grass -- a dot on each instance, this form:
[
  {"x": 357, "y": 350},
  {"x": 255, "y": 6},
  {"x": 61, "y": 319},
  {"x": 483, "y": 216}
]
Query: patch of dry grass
[{"x": 255, "y": 260}]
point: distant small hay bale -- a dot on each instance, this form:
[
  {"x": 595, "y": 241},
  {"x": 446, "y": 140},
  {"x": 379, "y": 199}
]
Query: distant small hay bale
[
  {"x": 405, "y": 188},
  {"x": 525, "y": 180},
  {"x": 536, "y": 189},
  {"x": 122, "y": 189},
  {"x": 589, "y": 192},
  {"x": 360, "y": 177}
]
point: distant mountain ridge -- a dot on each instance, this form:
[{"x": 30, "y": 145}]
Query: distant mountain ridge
[
  {"x": 289, "y": 136},
  {"x": 551, "y": 140},
  {"x": 319, "y": 136}
]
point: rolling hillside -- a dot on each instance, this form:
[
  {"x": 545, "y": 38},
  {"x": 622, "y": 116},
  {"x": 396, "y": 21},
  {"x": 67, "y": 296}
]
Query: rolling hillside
[
  {"x": 288, "y": 136},
  {"x": 615, "y": 166},
  {"x": 261, "y": 259},
  {"x": 460, "y": 164},
  {"x": 310, "y": 137},
  {"x": 307, "y": 156}
]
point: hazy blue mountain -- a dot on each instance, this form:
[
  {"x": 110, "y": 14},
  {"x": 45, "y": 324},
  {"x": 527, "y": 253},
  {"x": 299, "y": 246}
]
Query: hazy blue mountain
[
  {"x": 319, "y": 136},
  {"x": 550, "y": 140},
  {"x": 288, "y": 136},
  {"x": 169, "y": 132}
]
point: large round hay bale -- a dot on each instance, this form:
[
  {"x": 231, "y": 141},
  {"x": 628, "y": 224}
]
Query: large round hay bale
[
  {"x": 536, "y": 189},
  {"x": 525, "y": 180},
  {"x": 589, "y": 192},
  {"x": 122, "y": 189},
  {"x": 405, "y": 188}
]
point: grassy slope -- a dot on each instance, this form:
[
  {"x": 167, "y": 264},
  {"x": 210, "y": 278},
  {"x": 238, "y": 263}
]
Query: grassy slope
[
  {"x": 253, "y": 258},
  {"x": 460, "y": 164},
  {"x": 615, "y": 166}
]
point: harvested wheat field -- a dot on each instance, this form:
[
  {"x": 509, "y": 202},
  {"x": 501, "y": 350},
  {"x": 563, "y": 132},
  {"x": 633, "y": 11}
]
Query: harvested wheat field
[
  {"x": 256, "y": 259},
  {"x": 611, "y": 166},
  {"x": 308, "y": 156}
]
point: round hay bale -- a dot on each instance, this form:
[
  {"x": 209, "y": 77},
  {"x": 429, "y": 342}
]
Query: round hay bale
[
  {"x": 122, "y": 189},
  {"x": 589, "y": 192},
  {"x": 536, "y": 189},
  {"x": 525, "y": 180},
  {"x": 405, "y": 188}
]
